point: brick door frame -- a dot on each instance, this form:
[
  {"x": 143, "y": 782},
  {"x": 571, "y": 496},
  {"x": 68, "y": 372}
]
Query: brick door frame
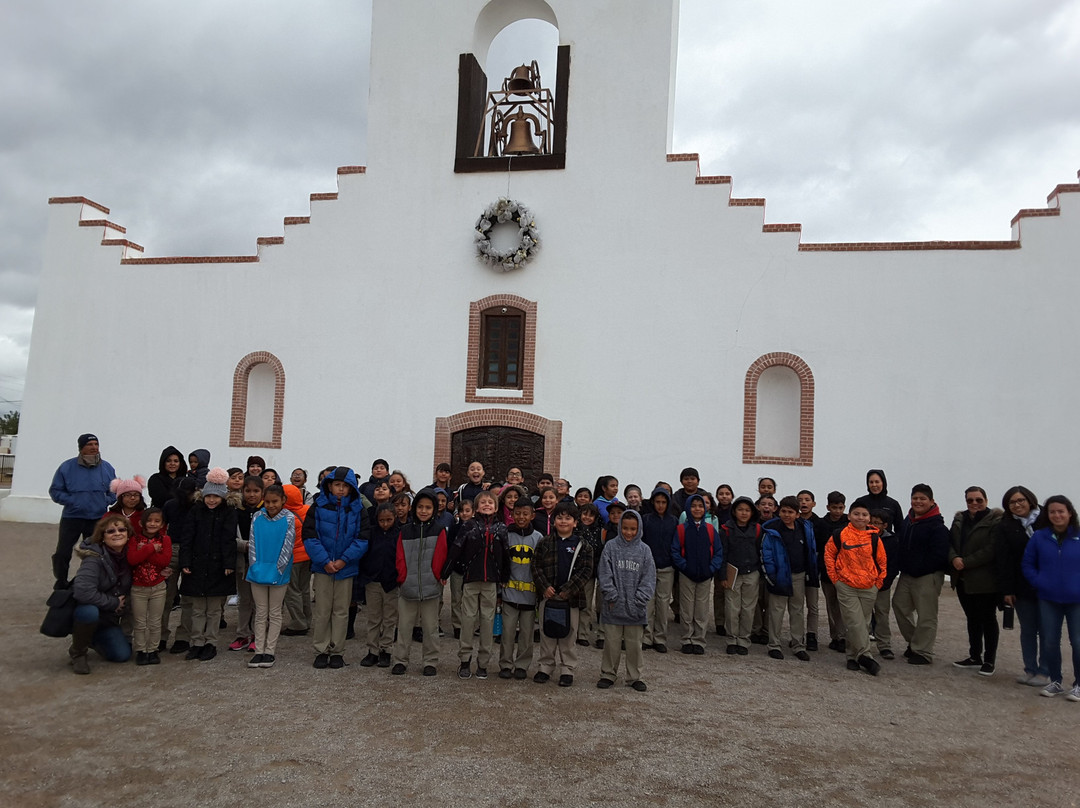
[{"x": 527, "y": 421}]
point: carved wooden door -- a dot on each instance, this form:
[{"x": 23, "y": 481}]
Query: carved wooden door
[{"x": 499, "y": 448}]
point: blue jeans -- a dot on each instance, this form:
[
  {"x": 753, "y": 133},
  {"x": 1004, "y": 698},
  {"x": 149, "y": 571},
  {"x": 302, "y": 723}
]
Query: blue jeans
[
  {"x": 1027, "y": 612},
  {"x": 109, "y": 640},
  {"x": 1051, "y": 615}
]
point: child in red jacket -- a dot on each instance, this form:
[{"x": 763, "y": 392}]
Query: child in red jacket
[{"x": 149, "y": 553}]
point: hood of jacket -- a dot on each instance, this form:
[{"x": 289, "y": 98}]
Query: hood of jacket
[
  {"x": 884, "y": 482},
  {"x": 345, "y": 475},
  {"x": 631, "y": 513},
  {"x": 754, "y": 515},
  {"x": 204, "y": 458},
  {"x": 689, "y": 500},
  {"x": 429, "y": 495},
  {"x": 167, "y": 452}
]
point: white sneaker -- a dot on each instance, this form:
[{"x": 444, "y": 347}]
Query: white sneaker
[
  {"x": 1036, "y": 680},
  {"x": 1074, "y": 694},
  {"x": 1025, "y": 678},
  {"x": 1052, "y": 689}
]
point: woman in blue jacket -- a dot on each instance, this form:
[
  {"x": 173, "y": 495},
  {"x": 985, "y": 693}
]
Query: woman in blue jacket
[{"x": 1052, "y": 564}]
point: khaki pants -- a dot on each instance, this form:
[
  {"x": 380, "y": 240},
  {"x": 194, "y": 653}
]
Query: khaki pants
[
  {"x": 266, "y": 621},
  {"x": 562, "y": 652},
  {"x": 205, "y": 619},
  {"x": 694, "y": 609},
  {"x": 837, "y": 629},
  {"x": 330, "y": 617},
  {"x": 615, "y": 636},
  {"x": 521, "y": 621},
  {"x": 245, "y": 606},
  {"x": 915, "y": 605},
  {"x": 146, "y": 612},
  {"x": 856, "y": 606},
  {"x": 457, "y": 582},
  {"x": 298, "y": 597},
  {"x": 793, "y": 605},
  {"x": 882, "y": 608},
  {"x": 427, "y": 612},
  {"x": 741, "y": 604},
  {"x": 380, "y": 609},
  {"x": 477, "y": 608},
  {"x": 658, "y": 612}
]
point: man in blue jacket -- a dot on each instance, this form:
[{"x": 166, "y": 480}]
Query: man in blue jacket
[{"x": 81, "y": 485}]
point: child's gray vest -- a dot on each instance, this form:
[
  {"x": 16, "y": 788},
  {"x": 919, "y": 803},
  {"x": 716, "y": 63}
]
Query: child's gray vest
[{"x": 420, "y": 582}]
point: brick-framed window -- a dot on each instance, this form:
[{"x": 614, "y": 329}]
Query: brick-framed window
[
  {"x": 804, "y": 414},
  {"x": 530, "y": 422},
  {"x": 240, "y": 435},
  {"x": 501, "y": 357}
]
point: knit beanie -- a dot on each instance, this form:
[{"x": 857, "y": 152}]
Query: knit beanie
[
  {"x": 215, "y": 482},
  {"x": 121, "y": 487},
  {"x": 86, "y": 438}
]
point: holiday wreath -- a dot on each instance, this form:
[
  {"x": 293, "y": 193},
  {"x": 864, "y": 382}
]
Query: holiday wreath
[{"x": 501, "y": 212}]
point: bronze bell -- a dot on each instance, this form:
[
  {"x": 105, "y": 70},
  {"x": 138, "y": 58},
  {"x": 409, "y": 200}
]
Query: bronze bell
[
  {"x": 520, "y": 140},
  {"x": 521, "y": 79}
]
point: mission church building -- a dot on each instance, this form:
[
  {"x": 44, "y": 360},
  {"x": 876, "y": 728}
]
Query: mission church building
[{"x": 549, "y": 286}]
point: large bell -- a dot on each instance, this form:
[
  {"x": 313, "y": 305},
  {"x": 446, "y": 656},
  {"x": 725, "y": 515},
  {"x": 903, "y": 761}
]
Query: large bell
[
  {"x": 521, "y": 139},
  {"x": 521, "y": 80}
]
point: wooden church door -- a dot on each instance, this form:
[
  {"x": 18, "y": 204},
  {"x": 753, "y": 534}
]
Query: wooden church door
[{"x": 499, "y": 448}]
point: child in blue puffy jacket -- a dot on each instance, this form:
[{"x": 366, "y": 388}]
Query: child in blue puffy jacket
[{"x": 269, "y": 558}]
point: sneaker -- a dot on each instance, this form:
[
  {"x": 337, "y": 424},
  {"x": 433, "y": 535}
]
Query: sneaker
[
  {"x": 1074, "y": 694},
  {"x": 481, "y": 673},
  {"x": 397, "y": 670},
  {"x": 566, "y": 680},
  {"x": 256, "y": 661},
  {"x": 852, "y": 665},
  {"x": 321, "y": 662},
  {"x": 802, "y": 656},
  {"x": 604, "y": 684},
  {"x": 759, "y": 639},
  {"x": 464, "y": 672},
  {"x": 369, "y": 661},
  {"x": 506, "y": 673},
  {"x": 1038, "y": 680},
  {"x": 179, "y": 647},
  {"x": 870, "y": 664},
  {"x": 639, "y": 686},
  {"x": 337, "y": 661},
  {"x": 209, "y": 651},
  {"x": 743, "y": 651},
  {"x": 582, "y": 642},
  {"x": 699, "y": 650},
  {"x": 1052, "y": 689},
  {"x": 908, "y": 652},
  {"x": 194, "y": 652},
  {"x": 969, "y": 662},
  {"x": 251, "y": 645},
  {"x": 918, "y": 659},
  {"x": 660, "y": 648},
  {"x": 521, "y": 673},
  {"x": 732, "y": 650},
  {"x": 776, "y": 653},
  {"x": 986, "y": 669},
  {"x": 646, "y": 646},
  {"x": 140, "y": 658},
  {"x": 1025, "y": 678},
  {"x": 688, "y": 648},
  {"x": 384, "y": 659},
  {"x": 429, "y": 670},
  {"x": 887, "y": 654},
  {"x": 811, "y": 641},
  {"x": 838, "y": 645},
  {"x": 239, "y": 644},
  {"x": 268, "y": 661},
  {"x": 153, "y": 659},
  {"x": 541, "y": 677}
]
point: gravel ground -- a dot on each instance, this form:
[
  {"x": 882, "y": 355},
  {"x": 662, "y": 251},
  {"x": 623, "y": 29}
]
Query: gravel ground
[{"x": 711, "y": 730}]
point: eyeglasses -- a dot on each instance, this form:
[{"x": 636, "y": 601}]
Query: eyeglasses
[
  {"x": 1020, "y": 501},
  {"x": 973, "y": 500}
]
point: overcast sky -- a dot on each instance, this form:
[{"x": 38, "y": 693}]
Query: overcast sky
[{"x": 202, "y": 124}]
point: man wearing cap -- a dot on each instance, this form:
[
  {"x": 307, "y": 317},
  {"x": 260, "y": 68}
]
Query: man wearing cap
[{"x": 81, "y": 485}]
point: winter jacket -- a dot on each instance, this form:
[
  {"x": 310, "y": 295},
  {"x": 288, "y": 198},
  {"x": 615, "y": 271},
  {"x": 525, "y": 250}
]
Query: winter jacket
[
  {"x": 368, "y": 488},
  {"x": 270, "y": 548},
  {"x": 823, "y": 531},
  {"x": 421, "y": 557},
  {"x": 208, "y": 548},
  {"x": 697, "y": 551},
  {"x": 545, "y": 568},
  {"x": 890, "y": 542},
  {"x": 592, "y": 535},
  {"x": 978, "y": 549},
  {"x": 882, "y": 501},
  {"x": 146, "y": 562},
  {"x": 83, "y": 490},
  {"x": 294, "y": 501},
  {"x": 519, "y": 589},
  {"x": 101, "y": 579},
  {"x": 923, "y": 547},
  {"x": 627, "y": 578},
  {"x": 775, "y": 563},
  {"x": 333, "y": 529},
  {"x": 542, "y": 522},
  {"x": 379, "y": 564},
  {"x": 1012, "y": 539},
  {"x": 200, "y": 473},
  {"x": 659, "y": 531},
  {"x": 481, "y": 546},
  {"x": 742, "y": 546},
  {"x": 161, "y": 486},
  {"x": 857, "y": 558},
  {"x": 1053, "y": 566}
]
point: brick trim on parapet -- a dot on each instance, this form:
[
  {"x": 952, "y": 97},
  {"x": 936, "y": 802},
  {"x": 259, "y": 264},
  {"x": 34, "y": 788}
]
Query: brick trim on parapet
[
  {"x": 530, "y": 422},
  {"x": 806, "y": 410},
  {"x": 238, "y": 424},
  {"x": 472, "y": 358}
]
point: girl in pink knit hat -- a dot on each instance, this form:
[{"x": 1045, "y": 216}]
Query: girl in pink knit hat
[{"x": 129, "y": 500}]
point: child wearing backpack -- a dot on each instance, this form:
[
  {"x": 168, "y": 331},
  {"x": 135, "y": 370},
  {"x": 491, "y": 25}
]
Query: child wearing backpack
[
  {"x": 698, "y": 554},
  {"x": 856, "y": 563},
  {"x": 741, "y": 537}
]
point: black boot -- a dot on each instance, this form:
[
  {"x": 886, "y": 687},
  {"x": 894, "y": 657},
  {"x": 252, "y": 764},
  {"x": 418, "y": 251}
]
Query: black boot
[{"x": 82, "y": 635}]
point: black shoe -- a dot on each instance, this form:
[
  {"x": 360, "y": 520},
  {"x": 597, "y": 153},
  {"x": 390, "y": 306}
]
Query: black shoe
[
  {"x": 604, "y": 684},
  {"x": 293, "y": 632},
  {"x": 582, "y": 642},
  {"x": 161, "y": 646},
  {"x": 987, "y": 669},
  {"x": 208, "y": 652},
  {"x": 153, "y": 659},
  {"x": 660, "y": 648},
  {"x": 566, "y": 680},
  {"x": 369, "y": 661},
  {"x": 256, "y": 661},
  {"x": 888, "y": 654},
  {"x": 521, "y": 673},
  {"x": 802, "y": 656},
  {"x": 464, "y": 672},
  {"x": 908, "y": 652},
  {"x": 687, "y": 648},
  {"x": 917, "y": 659},
  {"x": 429, "y": 670},
  {"x": 481, "y": 673},
  {"x": 699, "y": 650},
  {"x": 970, "y": 662},
  {"x": 267, "y": 661},
  {"x": 852, "y": 665},
  {"x": 541, "y": 677},
  {"x": 834, "y": 645},
  {"x": 384, "y": 659},
  {"x": 776, "y": 653},
  {"x": 322, "y": 661},
  {"x": 194, "y": 652},
  {"x": 397, "y": 670},
  {"x": 506, "y": 673},
  {"x": 732, "y": 650},
  {"x": 841, "y": 645},
  {"x": 457, "y": 633},
  {"x": 870, "y": 664},
  {"x": 759, "y": 639},
  {"x": 744, "y": 651},
  {"x": 179, "y": 647},
  {"x": 140, "y": 658},
  {"x": 639, "y": 686},
  {"x": 646, "y": 646},
  {"x": 337, "y": 661},
  {"x": 811, "y": 642},
  {"x": 598, "y": 644},
  {"x": 417, "y": 634}
]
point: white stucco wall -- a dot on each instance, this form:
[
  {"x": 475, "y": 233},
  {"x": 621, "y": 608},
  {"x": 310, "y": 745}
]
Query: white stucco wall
[{"x": 654, "y": 296}]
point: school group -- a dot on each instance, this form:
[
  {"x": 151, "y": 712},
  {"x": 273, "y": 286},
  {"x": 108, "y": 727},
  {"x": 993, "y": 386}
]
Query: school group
[{"x": 556, "y": 569}]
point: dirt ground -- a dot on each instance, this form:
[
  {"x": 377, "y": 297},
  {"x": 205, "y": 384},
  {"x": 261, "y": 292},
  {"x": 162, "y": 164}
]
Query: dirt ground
[{"x": 711, "y": 730}]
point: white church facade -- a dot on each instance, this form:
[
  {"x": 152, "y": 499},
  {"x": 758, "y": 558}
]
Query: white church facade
[{"x": 657, "y": 321}]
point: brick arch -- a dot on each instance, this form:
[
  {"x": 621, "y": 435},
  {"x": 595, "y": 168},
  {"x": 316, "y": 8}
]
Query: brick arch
[
  {"x": 806, "y": 409},
  {"x": 528, "y": 363},
  {"x": 238, "y": 424},
  {"x": 530, "y": 422}
]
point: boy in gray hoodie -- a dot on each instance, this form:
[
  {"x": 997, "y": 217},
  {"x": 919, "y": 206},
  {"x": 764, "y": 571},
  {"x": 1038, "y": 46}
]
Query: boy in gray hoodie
[{"x": 627, "y": 581}]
